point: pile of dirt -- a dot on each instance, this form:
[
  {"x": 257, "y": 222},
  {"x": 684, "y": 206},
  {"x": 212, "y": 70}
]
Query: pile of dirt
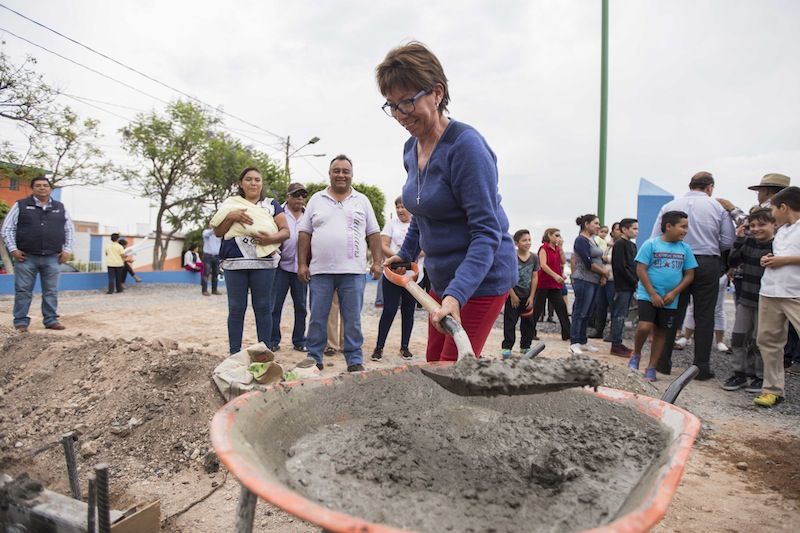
[{"x": 141, "y": 406}]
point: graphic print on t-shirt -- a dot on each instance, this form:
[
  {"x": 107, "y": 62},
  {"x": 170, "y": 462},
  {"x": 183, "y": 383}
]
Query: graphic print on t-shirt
[{"x": 668, "y": 260}]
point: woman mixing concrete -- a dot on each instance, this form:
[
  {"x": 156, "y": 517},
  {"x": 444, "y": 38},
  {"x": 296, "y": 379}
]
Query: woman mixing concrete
[{"x": 451, "y": 190}]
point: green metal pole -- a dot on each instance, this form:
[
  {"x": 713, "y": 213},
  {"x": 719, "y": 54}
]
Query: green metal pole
[{"x": 601, "y": 181}]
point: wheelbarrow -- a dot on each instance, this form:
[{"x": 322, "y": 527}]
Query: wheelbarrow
[{"x": 254, "y": 433}]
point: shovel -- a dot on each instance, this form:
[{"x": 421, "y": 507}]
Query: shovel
[{"x": 444, "y": 376}]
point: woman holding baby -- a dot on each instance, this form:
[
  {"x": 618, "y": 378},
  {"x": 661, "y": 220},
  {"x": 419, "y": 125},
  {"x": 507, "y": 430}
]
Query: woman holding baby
[{"x": 252, "y": 227}]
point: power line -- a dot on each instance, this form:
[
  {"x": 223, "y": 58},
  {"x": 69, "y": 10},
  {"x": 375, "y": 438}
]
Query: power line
[
  {"x": 129, "y": 86},
  {"x": 81, "y": 100},
  {"x": 140, "y": 73},
  {"x": 138, "y": 110}
]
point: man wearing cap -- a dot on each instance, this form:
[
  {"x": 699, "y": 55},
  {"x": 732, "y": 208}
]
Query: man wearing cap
[
  {"x": 710, "y": 233},
  {"x": 769, "y": 186},
  {"x": 338, "y": 224},
  {"x": 38, "y": 234},
  {"x": 286, "y": 279}
]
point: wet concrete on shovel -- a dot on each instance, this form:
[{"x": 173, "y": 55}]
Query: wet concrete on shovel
[{"x": 412, "y": 455}]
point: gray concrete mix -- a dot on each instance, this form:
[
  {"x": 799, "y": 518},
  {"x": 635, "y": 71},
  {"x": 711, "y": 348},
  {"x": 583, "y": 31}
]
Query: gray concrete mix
[{"x": 415, "y": 456}]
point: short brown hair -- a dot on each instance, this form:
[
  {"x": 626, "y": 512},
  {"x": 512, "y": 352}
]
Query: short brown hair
[
  {"x": 763, "y": 214},
  {"x": 412, "y": 66}
]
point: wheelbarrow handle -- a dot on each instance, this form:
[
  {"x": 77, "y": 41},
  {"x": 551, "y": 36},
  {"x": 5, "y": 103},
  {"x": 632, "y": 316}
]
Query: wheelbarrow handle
[{"x": 675, "y": 388}]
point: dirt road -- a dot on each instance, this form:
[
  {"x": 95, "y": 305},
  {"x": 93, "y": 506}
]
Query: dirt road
[{"x": 131, "y": 374}]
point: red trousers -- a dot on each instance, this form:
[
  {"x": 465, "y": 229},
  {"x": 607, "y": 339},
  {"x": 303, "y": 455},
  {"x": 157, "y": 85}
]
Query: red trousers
[{"x": 477, "y": 317}]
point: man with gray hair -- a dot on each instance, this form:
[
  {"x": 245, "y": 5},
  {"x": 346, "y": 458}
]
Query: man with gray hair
[{"x": 711, "y": 232}]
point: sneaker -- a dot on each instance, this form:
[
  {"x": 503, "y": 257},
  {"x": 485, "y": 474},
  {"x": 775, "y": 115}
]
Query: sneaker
[
  {"x": 734, "y": 383},
  {"x": 589, "y": 348},
  {"x": 377, "y": 354},
  {"x": 681, "y": 343},
  {"x": 406, "y": 354},
  {"x": 505, "y": 353},
  {"x": 576, "y": 349},
  {"x": 300, "y": 348},
  {"x": 794, "y": 368},
  {"x": 722, "y": 347},
  {"x": 767, "y": 399},
  {"x": 633, "y": 362},
  {"x": 355, "y": 368},
  {"x": 620, "y": 350},
  {"x": 755, "y": 386},
  {"x": 650, "y": 375}
]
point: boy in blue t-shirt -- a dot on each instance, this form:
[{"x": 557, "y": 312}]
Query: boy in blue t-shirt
[{"x": 665, "y": 266}]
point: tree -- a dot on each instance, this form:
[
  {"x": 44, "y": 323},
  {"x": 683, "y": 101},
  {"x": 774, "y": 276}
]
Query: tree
[
  {"x": 24, "y": 95},
  {"x": 171, "y": 147},
  {"x": 66, "y": 148},
  {"x": 373, "y": 193}
]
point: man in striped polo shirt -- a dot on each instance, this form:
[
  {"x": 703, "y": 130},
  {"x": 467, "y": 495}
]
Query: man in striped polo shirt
[{"x": 747, "y": 252}]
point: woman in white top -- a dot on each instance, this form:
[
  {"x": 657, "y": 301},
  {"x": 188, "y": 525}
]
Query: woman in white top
[{"x": 394, "y": 296}]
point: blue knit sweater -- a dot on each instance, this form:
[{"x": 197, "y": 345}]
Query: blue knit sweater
[{"x": 459, "y": 221}]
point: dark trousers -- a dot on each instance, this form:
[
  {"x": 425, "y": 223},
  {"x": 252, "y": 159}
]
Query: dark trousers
[
  {"x": 115, "y": 275},
  {"x": 127, "y": 269},
  {"x": 704, "y": 289},
  {"x": 288, "y": 282},
  {"x": 791, "y": 352},
  {"x": 210, "y": 268},
  {"x": 556, "y": 300},
  {"x": 619, "y": 312},
  {"x": 603, "y": 300},
  {"x": 527, "y": 326},
  {"x": 395, "y": 296}
]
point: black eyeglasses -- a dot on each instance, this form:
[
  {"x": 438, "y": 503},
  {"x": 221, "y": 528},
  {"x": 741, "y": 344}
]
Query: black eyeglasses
[
  {"x": 299, "y": 194},
  {"x": 406, "y": 106}
]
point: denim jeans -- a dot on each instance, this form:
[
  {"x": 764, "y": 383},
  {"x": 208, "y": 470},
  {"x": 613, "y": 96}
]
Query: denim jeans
[
  {"x": 603, "y": 303},
  {"x": 46, "y": 266},
  {"x": 285, "y": 282},
  {"x": 619, "y": 312},
  {"x": 581, "y": 309},
  {"x": 211, "y": 268},
  {"x": 350, "y": 288},
  {"x": 258, "y": 282}
]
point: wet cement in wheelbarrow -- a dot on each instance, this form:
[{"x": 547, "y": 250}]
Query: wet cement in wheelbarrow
[{"x": 478, "y": 464}]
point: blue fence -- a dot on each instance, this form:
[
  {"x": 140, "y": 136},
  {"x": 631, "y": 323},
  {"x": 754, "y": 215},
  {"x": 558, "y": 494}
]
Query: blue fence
[{"x": 82, "y": 281}]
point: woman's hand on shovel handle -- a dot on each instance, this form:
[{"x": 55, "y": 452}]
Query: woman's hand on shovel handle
[
  {"x": 395, "y": 259},
  {"x": 450, "y": 306}
]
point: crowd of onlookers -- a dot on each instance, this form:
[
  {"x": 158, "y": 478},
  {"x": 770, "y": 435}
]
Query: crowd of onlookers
[{"x": 679, "y": 277}]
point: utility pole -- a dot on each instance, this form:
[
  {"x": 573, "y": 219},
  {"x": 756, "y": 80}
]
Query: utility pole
[
  {"x": 601, "y": 181},
  {"x": 286, "y": 164}
]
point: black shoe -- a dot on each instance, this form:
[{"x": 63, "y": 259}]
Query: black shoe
[
  {"x": 535, "y": 337},
  {"x": 275, "y": 347},
  {"x": 355, "y": 368},
  {"x": 329, "y": 351},
  {"x": 735, "y": 383},
  {"x": 320, "y": 366},
  {"x": 705, "y": 376},
  {"x": 377, "y": 355},
  {"x": 755, "y": 386},
  {"x": 406, "y": 354},
  {"x": 299, "y": 348}
]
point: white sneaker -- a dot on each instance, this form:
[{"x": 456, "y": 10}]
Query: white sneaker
[
  {"x": 681, "y": 342},
  {"x": 722, "y": 347},
  {"x": 589, "y": 348},
  {"x": 575, "y": 349}
]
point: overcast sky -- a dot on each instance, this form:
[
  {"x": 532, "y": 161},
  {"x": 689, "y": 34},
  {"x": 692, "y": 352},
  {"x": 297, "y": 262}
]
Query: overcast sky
[{"x": 694, "y": 85}]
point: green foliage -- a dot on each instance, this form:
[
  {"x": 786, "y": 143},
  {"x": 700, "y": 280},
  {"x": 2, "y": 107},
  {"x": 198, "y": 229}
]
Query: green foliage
[
  {"x": 375, "y": 195},
  {"x": 24, "y": 95},
  {"x": 223, "y": 161},
  {"x": 171, "y": 146},
  {"x": 4, "y": 209}
]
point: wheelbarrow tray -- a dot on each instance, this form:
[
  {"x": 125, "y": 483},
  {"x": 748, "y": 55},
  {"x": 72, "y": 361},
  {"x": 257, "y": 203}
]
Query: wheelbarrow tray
[{"x": 253, "y": 433}]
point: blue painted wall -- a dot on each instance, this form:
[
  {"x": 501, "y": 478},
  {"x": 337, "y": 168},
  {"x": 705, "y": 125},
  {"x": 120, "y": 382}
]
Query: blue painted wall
[
  {"x": 96, "y": 248},
  {"x": 82, "y": 281},
  {"x": 649, "y": 202}
]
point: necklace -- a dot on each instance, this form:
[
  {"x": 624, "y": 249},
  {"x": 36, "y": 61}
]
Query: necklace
[{"x": 427, "y": 166}]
